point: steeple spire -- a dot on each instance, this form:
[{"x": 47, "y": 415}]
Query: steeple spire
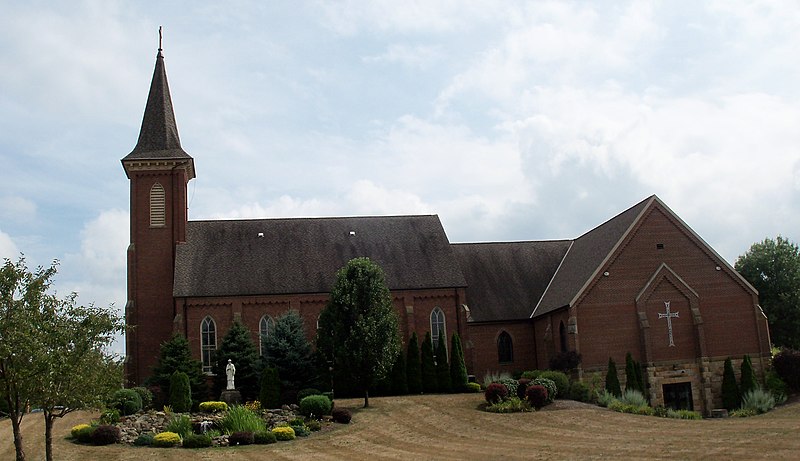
[{"x": 158, "y": 137}]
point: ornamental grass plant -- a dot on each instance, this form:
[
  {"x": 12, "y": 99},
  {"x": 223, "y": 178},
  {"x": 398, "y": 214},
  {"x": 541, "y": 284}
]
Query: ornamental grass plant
[
  {"x": 241, "y": 419},
  {"x": 510, "y": 405},
  {"x": 758, "y": 400}
]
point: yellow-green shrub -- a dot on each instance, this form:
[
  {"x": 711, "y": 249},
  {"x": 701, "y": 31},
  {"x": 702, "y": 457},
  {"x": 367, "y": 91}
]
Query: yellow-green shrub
[
  {"x": 473, "y": 387},
  {"x": 283, "y": 433},
  {"x": 76, "y": 429},
  {"x": 166, "y": 439},
  {"x": 213, "y": 407}
]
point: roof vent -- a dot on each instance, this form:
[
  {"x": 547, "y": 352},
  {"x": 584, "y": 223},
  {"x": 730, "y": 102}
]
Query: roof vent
[
  {"x": 352, "y": 233},
  {"x": 261, "y": 235}
]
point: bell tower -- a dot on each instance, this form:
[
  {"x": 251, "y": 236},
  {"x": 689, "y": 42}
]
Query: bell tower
[{"x": 158, "y": 170}]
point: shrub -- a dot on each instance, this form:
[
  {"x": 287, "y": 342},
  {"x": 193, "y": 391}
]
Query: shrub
[
  {"x": 579, "y": 391},
  {"x": 633, "y": 397},
  {"x": 316, "y": 405},
  {"x": 127, "y": 401},
  {"x": 241, "y": 419},
  {"x": 605, "y": 398},
  {"x": 612, "y": 379},
  {"x": 532, "y": 374},
  {"x": 548, "y": 384},
  {"x": 253, "y": 405},
  {"x": 145, "y": 395},
  {"x": 196, "y": 441},
  {"x": 300, "y": 430},
  {"x": 427, "y": 365},
  {"x": 495, "y": 393},
  {"x": 105, "y": 434},
  {"x": 413, "y": 373},
  {"x": 565, "y": 361},
  {"x": 494, "y": 377},
  {"x": 303, "y": 393},
  {"x": 180, "y": 424},
  {"x": 776, "y": 387},
  {"x": 742, "y": 413},
  {"x": 561, "y": 380},
  {"x": 180, "y": 393},
  {"x": 633, "y": 374},
  {"x": 270, "y": 394},
  {"x": 341, "y": 415},
  {"x": 313, "y": 425},
  {"x": 787, "y": 364},
  {"x": 537, "y": 396},
  {"x": 442, "y": 366},
  {"x": 473, "y": 387},
  {"x": 109, "y": 416},
  {"x": 213, "y": 407},
  {"x": 731, "y": 399},
  {"x": 758, "y": 400},
  {"x": 241, "y": 438},
  {"x": 522, "y": 386},
  {"x": 458, "y": 370},
  {"x": 683, "y": 414},
  {"x": 283, "y": 433},
  {"x": 166, "y": 439},
  {"x": 621, "y": 407},
  {"x": 511, "y": 384},
  {"x": 511, "y": 405},
  {"x": 82, "y": 433},
  {"x": 747, "y": 379},
  {"x": 145, "y": 439},
  {"x": 264, "y": 437}
]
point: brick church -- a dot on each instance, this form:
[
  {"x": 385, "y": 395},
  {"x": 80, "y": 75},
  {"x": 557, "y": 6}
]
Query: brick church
[{"x": 642, "y": 282}]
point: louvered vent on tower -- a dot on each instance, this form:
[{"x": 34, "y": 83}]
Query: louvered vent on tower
[{"x": 157, "y": 206}]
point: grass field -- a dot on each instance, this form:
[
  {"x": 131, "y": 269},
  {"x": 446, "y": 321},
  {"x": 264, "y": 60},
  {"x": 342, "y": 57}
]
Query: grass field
[{"x": 451, "y": 427}]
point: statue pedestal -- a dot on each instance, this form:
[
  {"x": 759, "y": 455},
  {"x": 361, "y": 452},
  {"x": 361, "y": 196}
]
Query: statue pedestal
[{"x": 231, "y": 396}]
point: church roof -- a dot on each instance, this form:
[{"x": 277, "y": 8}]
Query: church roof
[
  {"x": 302, "y": 255},
  {"x": 585, "y": 258},
  {"x": 506, "y": 280},
  {"x": 158, "y": 137}
]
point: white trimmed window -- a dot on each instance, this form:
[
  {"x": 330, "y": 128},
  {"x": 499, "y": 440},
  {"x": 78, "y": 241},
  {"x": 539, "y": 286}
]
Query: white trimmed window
[
  {"x": 437, "y": 326},
  {"x": 505, "y": 348},
  {"x": 265, "y": 327},
  {"x": 208, "y": 343},
  {"x": 158, "y": 210}
]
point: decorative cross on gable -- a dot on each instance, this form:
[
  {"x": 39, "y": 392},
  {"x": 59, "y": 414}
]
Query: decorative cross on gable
[{"x": 669, "y": 315}]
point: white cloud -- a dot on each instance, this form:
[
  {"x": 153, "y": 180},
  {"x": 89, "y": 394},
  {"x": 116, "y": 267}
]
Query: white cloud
[
  {"x": 7, "y": 247},
  {"x": 17, "y": 208},
  {"x": 419, "y": 57}
]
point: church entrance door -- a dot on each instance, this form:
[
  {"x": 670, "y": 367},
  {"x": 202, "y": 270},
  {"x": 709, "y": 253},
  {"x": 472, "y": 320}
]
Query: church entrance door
[{"x": 678, "y": 396}]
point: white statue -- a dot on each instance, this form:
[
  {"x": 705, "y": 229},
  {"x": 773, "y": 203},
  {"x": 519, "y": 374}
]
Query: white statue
[{"x": 230, "y": 370}]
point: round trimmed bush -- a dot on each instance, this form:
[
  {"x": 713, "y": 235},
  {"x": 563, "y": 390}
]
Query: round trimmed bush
[
  {"x": 264, "y": 437},
  {"x": 561, "y": 380},
  {"x": 579, "y": 391},
  {"x": 306, "y": 392},
  {"x": 473, "y": 387},
  {"x": 127, "y": 401},
  {"x": 145, "y": 395},
  {"x": 283, "y": 433},
  {"x": 82, "y": 433},
  {"x": 241, "y": 438},
  {"x": 511, "y": 384},
  {"x": 496, "y": 393},
  {"x": 537, "y": 396},
  {"x": 213, "y": 407},
  {"x": 105, "y": 434},
  {"x": 341, "y": 415},
  {"x": 145, "y": 439},
  {"x": 316, "y": 405},
  {"x": 196, "y": 441},
  {"x": 300, "y": 430},
  {"x": 166, "y": 439},
  {"x": 548, "y": 384}
]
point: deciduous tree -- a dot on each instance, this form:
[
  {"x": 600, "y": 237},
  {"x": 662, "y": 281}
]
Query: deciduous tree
[{"x": 358, "y": 328}]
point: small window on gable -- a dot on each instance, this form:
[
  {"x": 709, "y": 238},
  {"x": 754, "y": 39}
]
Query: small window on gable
[
  {"x": 265, "y": 327},
  {"x": 437, "y": 326},
  {"x": 505, "y": 348},
  {"x": 208, "y": 343},
  {"x": 158, "y": 211}
]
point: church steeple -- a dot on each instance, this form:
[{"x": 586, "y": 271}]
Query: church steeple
[{"x": 158, "y": 137}]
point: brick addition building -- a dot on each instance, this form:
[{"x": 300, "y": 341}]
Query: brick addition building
[{"x": 643, "y": 282}]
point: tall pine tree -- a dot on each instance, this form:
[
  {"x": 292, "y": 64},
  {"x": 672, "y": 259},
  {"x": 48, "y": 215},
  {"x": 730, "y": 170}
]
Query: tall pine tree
[
  {"x": 748, "y": 381},
  {"x": 176, "y": 356},
  {"x": 731, "y": 398},
  {"x": 288, "y": 350},
  {"x": 413, "y": 370},
  {"x": 458, "y": 370},
  {"x": 442, "y": 367},
  {"x": 237, "y": 346},
  {"x": 428, "y": 368},
  {"x": 612, "y": 379}
]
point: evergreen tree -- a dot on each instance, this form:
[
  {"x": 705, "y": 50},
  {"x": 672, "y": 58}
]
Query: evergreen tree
[
  {"x": 731, "y": 399},
  {"x": 237, "y": 346},
  {"x": 398, "y": 378},
  {"x": 637, "y": 367},
  {"x": 612, "y": 379},
  {"x": 458, "y": 370},
  {"x": 176, "y": 356},
  {"x": 442, "y": 367},
  {"x": 358, "y": 328},
  {"x": 413, "y": 372},
  {"x": 428, "y": 368},
  {"x": 631, "y": 375},
  {"x": 288, "y": 350},
  {"x": 180, "y": 392},
  {"x": 270, "y": 394},
  {"x": 748, "y": 378}
]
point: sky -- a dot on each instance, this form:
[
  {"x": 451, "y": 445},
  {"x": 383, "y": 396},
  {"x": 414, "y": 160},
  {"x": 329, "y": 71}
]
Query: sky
[{"x": 510, "y": 120}]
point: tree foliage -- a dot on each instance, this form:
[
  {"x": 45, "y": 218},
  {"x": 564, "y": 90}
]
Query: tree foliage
[
  {"x": 52, "y": 351},
  {"x": 747, "y": 379},
  {"x": 458, "y": 369},
  {"x": 358, "y": 328},
  {"x": 773, "y": 268},
  {"x": 180, "y": 392},
  {"x": 270, "y": 395},
  {"x": 442, "y": 367},
  {"x": 288, "y": 350},
  {"x": 612, "y": 379},
  {"x": 176, "y": 356},
  {"x": 633, "y": 375},
  {"x": 238, "y": 347},
  {"x": 413, "y": 366},
  {"x": 731, "y": 398},
  {"x": 428, "y": 366}
]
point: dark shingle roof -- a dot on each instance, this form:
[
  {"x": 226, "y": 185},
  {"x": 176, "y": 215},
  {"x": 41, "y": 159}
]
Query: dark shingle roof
[
  {"x": 506, "y": 280},
  {"x": 158, "y": 137},
  {"x": 585, "y": 256},
  {"x": 302, "y": 255}
]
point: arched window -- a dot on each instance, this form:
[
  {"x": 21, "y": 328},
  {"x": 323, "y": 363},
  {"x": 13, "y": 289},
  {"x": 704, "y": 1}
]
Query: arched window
[
  {"x": 208, "y": 343},
  {"x": 437, "y": 326},
  {"x": 265, "y": 327},
  {"x": 562, "y": 333},
  {"x": 157, "y": 206},
  {"x": 505, "y": 348}
]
